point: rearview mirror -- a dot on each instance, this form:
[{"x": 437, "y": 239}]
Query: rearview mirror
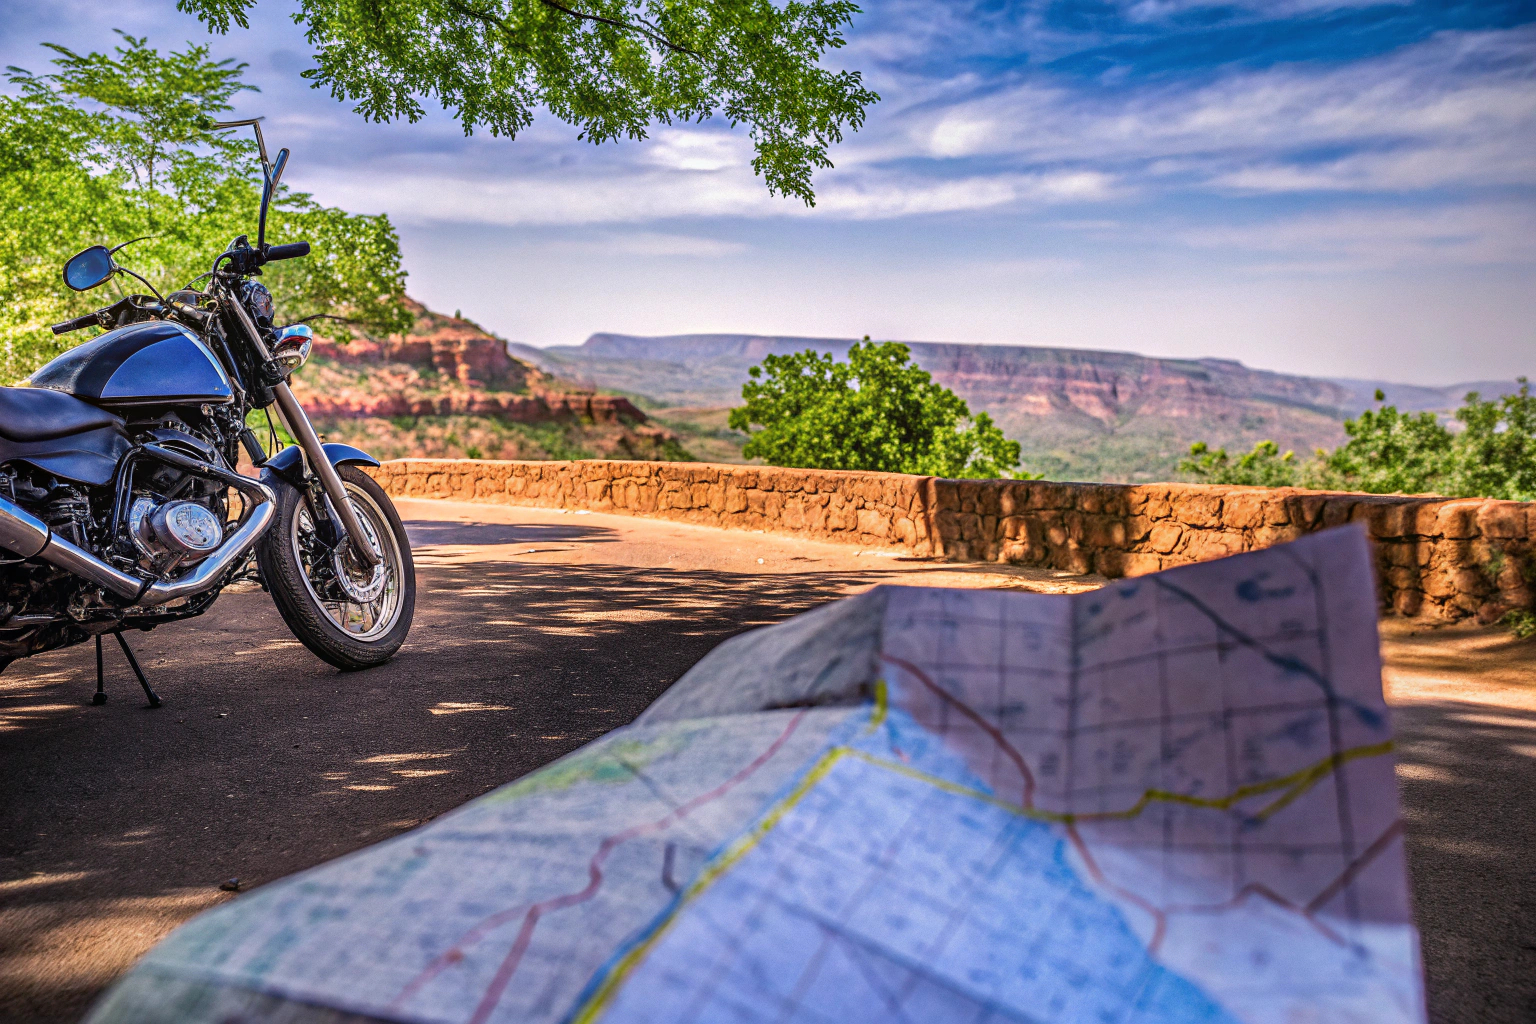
[{"x": 89, "y": 268}]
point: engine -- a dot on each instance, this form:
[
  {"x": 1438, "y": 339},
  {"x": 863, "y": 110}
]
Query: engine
[
  {"x": 173, "y": 533},
  {"x": 155, "y": 521}
]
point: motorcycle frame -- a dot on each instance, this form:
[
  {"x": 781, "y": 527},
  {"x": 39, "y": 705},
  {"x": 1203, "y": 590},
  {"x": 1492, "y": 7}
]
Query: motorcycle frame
[{"x": 296, "y": 422}]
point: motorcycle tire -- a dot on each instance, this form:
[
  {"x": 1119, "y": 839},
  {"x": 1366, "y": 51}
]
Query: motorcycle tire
[{"x": 344, "y": 614}]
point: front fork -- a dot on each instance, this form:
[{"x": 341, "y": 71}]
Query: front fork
[{"x": 297, "y": 424}]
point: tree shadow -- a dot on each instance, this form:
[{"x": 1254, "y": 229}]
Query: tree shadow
[
  {"x": 433, "y": 532},
  {"x": 1467, "y": 775},
  {"x": 117, "y": 823}
]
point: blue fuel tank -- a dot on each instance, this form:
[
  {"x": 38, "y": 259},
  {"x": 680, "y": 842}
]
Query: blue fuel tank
[{"x": 154, "y": 363}]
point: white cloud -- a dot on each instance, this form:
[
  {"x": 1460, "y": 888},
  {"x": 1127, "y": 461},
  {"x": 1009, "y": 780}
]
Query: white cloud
[
  {"x": 647, "y": 243},
  {"x": 641, "y": 196},
  {"x": 699, "y": 150},
  {"x": 1457, "y": 108},
  {"x": 1463, "y": 235}
]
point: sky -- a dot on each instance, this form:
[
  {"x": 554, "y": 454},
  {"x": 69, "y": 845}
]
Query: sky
[{"x": 1328, "y": 187}]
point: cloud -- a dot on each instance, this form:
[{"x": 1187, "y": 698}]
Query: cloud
[
  {"x": 647, "y": 244},
  {"x": 1454, "y": 90},
  {"x": 648, "y": 194},
  {"x": 1465, "y": 235}
]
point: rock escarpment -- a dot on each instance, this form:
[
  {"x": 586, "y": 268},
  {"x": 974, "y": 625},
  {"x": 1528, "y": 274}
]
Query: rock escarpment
[{"x": 446, "y": 366}]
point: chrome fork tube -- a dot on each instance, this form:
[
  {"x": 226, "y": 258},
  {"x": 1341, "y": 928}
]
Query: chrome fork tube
[{"x": 297, "y": 423}]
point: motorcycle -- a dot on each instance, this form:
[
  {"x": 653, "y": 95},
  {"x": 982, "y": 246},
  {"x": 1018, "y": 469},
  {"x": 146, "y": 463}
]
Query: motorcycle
[{"x": 120, "y": 504}]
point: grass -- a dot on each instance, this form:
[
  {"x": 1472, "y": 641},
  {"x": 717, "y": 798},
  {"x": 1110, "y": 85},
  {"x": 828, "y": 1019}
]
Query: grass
[{"x": 1520, "y": 622}]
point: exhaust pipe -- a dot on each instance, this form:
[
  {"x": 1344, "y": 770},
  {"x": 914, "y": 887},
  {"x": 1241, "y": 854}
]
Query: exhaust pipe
[{"x": 24, "y": 534}]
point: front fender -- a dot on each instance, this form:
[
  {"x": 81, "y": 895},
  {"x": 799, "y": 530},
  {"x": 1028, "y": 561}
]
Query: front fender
[{"x": 289, "y": 463}]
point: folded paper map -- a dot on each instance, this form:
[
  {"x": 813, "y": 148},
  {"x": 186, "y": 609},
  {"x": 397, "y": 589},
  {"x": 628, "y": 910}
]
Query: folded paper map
[{"x": 1170, "y": 799}]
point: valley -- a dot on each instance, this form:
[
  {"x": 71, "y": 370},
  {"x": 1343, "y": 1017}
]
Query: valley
[{"x": 450, "y": 389}]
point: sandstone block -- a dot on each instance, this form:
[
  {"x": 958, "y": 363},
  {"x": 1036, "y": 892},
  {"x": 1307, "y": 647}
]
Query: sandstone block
[
  {"x": 1457, "y": 520},
  {"x": 1205, "y": 545},
  {"x": 1502, "y": 519},
  {"x": 1243, "y": 509},
  {"x": 1109, "y": 563},
  {"x": 873, "y": 523},
  {"x": 1139, "y": 563},
  {"x": 1165, "y": 537},
  {"x": 1199, "y": 506}
]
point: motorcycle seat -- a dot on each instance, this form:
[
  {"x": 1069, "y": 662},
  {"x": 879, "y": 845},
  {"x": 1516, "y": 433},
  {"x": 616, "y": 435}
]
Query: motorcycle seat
[{"x": 40, "y": 414}]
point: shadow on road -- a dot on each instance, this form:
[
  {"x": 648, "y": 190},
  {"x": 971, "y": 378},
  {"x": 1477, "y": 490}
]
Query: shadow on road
[
  {"x": 117, "y": 823},
  {"x": 1465, "y": 772},
  {"x": 429, "y": 532}
]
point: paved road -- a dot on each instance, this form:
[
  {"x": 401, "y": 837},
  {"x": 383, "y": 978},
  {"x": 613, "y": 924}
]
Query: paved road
[{"x": 537, "y": 631}]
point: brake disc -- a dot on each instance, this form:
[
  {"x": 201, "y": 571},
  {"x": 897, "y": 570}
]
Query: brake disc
[{"x": 358, "y": 583}]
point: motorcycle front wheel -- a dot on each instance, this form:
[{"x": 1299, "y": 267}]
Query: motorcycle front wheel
[{"x": 348, "y": 615}]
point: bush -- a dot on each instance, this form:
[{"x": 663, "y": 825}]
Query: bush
[
  {"x": 878, "y": 411},
  {"x": 1390, "y": 452},
  {"x": 1262, "y": 467},
  {"x": 1493, "y": 455}
]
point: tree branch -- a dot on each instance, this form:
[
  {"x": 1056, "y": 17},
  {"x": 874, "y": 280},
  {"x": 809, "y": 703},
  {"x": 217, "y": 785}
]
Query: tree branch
[
  {"x": 648, "y": 32},
  {"x": 653, "y": 35}
]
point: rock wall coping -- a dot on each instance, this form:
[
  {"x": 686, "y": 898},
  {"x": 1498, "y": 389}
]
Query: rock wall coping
[{"x": 1437, "y": 557}]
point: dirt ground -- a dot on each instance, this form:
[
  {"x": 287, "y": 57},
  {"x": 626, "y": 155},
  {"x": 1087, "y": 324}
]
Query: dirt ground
[{"x": 537, "y": 631}]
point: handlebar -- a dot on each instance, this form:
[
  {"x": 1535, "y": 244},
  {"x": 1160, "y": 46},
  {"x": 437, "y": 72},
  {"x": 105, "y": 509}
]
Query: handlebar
[
  {"x": 287, "y": 251},
  {"x": 78, "y": 323}
]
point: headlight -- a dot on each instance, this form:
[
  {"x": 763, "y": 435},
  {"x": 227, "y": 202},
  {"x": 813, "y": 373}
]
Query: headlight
[
  {"x": 260, "y": 302},
  {"x": 293, "y": 345}
]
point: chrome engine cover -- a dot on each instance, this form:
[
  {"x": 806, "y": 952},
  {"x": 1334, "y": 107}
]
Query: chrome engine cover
[{"x": 174, "y": 533}]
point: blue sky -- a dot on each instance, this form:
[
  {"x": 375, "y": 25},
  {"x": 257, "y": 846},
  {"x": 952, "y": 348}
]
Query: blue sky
[{"x": 1317, "y": 186}]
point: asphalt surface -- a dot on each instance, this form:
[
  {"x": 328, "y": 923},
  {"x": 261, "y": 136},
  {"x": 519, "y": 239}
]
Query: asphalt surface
[{"x": 536, "y": 632}]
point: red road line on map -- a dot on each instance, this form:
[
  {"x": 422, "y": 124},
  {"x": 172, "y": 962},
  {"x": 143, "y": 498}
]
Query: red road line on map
[
  {"x": 1318, "y": 902},
  {"x": 1159, "y": 915},
  {"x": 980, "y": 722},
  {"x": 1360, "y": 863},
  {"x": 1257, "y": 889},
  {"x": 509, "y": 965},
  {"x": 1159, "y": 918}
]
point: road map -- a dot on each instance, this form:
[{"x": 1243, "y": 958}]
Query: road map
[{"x": 1170, "y": 799}]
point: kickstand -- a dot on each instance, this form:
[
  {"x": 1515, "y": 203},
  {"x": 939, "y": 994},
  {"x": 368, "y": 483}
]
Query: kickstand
[
  {"x": 154, "y": 699},
  {"x": 101, "y": 690}
]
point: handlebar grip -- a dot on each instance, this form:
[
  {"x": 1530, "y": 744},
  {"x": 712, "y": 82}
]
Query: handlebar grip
[
  {"x": 288, "y": 251},
  {"x": 89, "y": 320}
]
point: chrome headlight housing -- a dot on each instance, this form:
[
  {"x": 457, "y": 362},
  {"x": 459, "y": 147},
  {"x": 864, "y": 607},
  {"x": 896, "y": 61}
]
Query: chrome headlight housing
[{"x": 293, "y": 345}]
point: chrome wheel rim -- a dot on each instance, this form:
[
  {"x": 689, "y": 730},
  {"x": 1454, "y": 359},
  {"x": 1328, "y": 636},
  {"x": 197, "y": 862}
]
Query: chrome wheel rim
[{"x": 339, "y": 585}]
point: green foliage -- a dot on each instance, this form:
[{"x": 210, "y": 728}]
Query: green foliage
[
  {"x": 1265, "y": 466},
  {"x": 109, "y": 148},
  {"x": 878, "y": 411},
  {"x": 1520, "y": 622},
  {"x": 1493, "y": 455},
  {"x": 1390, "y": 452},
  {"x": 609, "y": 67}
]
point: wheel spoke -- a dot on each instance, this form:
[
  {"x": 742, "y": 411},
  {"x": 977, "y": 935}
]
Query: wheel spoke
[{"x": 333, "y": 577}]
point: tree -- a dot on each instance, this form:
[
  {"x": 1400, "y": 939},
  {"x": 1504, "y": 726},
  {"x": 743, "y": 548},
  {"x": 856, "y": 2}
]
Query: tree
[
  {"x": 1494, "y": 455},
  {"x": 1262, "y": 467},
  {"x": 109, "y": 148},
  {"x": 609, "y": 67},
  {"x": 1390, "y": 452},
  {"x": 878, "y": 411}
]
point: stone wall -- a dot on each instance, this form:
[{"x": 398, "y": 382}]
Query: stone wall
[{"x": 1441, "y": 558}]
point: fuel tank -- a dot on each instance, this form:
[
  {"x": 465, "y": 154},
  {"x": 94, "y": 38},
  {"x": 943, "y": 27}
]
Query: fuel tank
[{"x": 153, "y": 363}]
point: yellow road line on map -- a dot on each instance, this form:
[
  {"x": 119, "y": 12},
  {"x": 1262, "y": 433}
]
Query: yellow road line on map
[
  {"x": 599, "y": 1000},
  {"x": 1295, "y": 784},
  {"x": 882, "y": 705}
]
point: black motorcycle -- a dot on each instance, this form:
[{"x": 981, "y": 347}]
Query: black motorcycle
[{"x": 119, "y": 498}]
